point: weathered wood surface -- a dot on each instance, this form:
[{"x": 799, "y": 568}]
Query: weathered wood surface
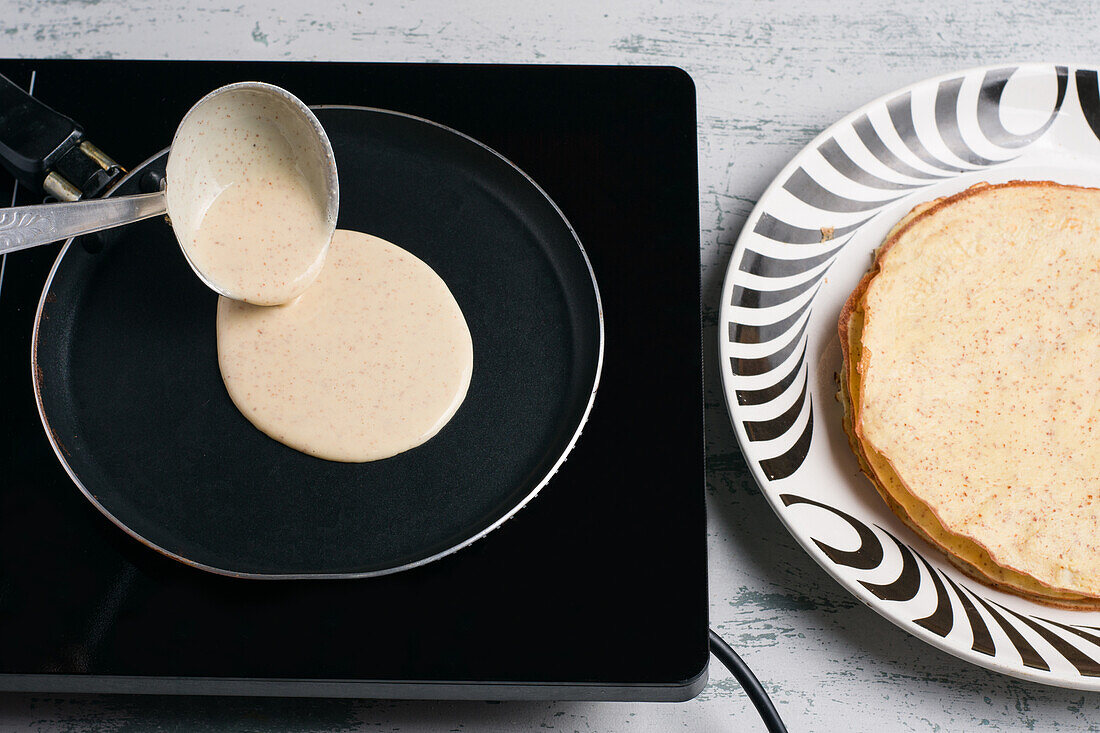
[{"x": 770, "y": 76}]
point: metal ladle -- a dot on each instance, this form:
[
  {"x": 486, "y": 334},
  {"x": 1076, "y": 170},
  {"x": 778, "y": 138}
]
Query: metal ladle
[{"x": 22, "y": 227}]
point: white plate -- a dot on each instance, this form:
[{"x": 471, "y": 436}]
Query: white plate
[{"x": 780, "y": 352}]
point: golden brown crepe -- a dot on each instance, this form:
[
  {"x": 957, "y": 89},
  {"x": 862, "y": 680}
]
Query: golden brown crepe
[{"x": 971, "y": 383}]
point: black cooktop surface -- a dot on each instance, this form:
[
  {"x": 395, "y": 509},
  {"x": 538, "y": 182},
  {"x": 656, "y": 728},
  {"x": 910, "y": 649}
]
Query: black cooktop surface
[{"x": 596, "y": 590}]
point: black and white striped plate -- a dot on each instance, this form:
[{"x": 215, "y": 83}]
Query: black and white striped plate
[{"x": 802, "y": 251}]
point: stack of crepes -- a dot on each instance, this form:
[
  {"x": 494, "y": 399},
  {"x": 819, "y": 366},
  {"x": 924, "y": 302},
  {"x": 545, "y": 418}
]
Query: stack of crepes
[{"x": 971, "y": 383}]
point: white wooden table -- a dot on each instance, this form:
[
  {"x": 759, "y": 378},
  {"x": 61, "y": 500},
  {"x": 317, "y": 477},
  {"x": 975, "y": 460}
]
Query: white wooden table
[{"x": 770, "y": 76}]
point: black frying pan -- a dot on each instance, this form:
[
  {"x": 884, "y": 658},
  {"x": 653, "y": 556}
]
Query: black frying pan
[{"x": 127, "y": 381}]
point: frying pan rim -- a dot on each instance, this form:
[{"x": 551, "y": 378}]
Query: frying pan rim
[{"x": 331, "y": 576}]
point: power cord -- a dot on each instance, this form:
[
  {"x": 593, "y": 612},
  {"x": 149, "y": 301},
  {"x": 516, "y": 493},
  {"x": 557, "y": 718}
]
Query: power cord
[{"x": 737, "y": 667}]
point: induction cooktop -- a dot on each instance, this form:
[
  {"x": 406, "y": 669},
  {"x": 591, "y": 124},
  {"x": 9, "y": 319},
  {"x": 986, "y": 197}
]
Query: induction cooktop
[{"x": 595, "y": 590}]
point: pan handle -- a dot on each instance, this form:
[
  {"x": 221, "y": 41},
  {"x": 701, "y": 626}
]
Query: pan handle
[
  {"x": 22, "y": 227},
  {"x": 32, "y": 136},
  {"x": 47, "y": 152}
]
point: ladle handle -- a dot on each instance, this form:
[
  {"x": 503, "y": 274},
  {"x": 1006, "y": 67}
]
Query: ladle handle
[{"x": 22, "y": 227}]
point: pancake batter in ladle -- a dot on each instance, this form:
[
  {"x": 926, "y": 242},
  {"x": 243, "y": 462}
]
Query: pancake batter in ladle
[{"x": 250, "y": 187}]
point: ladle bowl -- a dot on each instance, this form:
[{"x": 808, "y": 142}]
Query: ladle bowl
[{"x": 193, "y": 181}]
